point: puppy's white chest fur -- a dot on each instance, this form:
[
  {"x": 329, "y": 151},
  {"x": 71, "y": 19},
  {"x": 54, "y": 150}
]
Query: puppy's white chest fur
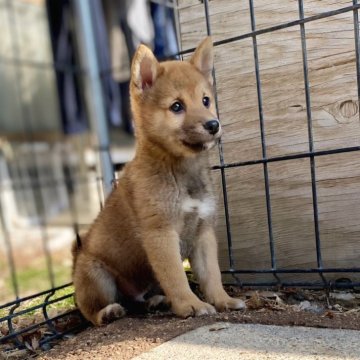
[{"x": 204, "y": 208}]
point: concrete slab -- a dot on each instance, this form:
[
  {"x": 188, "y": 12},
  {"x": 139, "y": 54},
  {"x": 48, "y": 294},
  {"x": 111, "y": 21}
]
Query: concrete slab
[{"x": 259, "y": 342}]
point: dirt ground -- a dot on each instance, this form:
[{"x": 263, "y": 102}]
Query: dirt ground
[
  {"x": 129, "y": 337},
  {"x": 132, "y": 335}
]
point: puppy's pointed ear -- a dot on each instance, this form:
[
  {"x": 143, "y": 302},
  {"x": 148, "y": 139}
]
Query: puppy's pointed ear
[
  {"x": 203, "y": 58},
  {"x": 144, "y": 68}
]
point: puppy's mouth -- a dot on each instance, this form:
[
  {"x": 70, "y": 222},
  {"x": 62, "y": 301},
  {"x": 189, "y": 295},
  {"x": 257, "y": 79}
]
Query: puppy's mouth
[
  {"x": 197, "y": 147},
  {"x": 200, "y": 146}
]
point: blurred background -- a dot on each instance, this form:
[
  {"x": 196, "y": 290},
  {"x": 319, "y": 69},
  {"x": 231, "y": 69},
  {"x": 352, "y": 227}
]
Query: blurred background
[{"x": 65, "y": 123}]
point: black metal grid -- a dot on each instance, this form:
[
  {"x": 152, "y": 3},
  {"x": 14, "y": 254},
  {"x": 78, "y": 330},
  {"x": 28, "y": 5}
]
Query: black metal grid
[
  {"x": 274, "y": 270},
  {"x": 20, "y": 306},
  {"x": 46, "y": 327}
]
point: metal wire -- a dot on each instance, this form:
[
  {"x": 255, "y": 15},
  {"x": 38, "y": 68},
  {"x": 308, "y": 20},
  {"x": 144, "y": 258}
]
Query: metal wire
[
  {"x": 288, "y": 157},
  {"x": 274, "y": 28},
  {"x": 49, "y": 321},
  {"x": 28, "y": 131},
  {"x": 23, "y": 305},
  {"x": 357, "y": 47},
  {"x": 221, "y": 156},
  {"x": 311, "y": 143},
  {"x": 263, "y": 140}
]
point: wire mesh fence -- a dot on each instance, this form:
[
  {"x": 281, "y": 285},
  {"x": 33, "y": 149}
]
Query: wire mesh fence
[
  {"x": 343, "y": 281},
  {"x": 265, "y": 160},
  {"x": 46, "y": 179},
  {"x": 45, "y": 184}
]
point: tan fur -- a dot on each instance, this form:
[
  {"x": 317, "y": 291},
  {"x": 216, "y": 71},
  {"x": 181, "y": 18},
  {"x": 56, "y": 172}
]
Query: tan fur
[{"x": 163, "y": 208}]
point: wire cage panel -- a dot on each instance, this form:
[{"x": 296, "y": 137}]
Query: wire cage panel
[
  {"x": 288, "y": 93},
  {"x": 50, "y": 187}
]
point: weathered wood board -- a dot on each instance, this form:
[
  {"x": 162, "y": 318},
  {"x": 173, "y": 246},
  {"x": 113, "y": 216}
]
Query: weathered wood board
[{"x": 335, "y": 124}]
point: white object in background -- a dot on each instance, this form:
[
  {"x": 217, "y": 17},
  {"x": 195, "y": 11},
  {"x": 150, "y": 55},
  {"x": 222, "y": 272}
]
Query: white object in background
[
  {"x": 7, "y": 198},
  {"x": 139, "y": 13}
]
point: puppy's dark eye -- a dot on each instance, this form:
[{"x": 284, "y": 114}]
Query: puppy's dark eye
[
  {"x": 206, "y": 101},
  {"x": 177, "y": 107}
]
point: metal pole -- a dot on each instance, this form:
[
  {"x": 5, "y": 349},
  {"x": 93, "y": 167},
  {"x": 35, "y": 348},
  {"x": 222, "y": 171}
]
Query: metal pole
[{"x": 93, "y": 89}]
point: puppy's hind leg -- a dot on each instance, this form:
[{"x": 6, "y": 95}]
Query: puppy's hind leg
[
  {"x": 96, "y": 292},
  {"x": 157, "y": 302}
]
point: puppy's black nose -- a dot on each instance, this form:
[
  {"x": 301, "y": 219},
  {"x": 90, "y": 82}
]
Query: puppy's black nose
[{"x": 212, "y": 126}]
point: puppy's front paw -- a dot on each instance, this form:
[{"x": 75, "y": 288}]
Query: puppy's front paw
[
  {"x": 193, "y": 308},
  {"x": 229, "y": 303}
]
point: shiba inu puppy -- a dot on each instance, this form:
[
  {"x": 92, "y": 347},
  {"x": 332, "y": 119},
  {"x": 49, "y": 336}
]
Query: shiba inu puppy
[{"x": 163, "y": 208}]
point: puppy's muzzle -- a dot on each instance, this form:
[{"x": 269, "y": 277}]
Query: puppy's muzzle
[{"x": 212, "y": 126}]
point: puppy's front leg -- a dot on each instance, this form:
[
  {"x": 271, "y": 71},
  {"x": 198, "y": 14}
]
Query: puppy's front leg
[
  {"x": 204, "y": 263},
  {"x": 163, "y": 251}
]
